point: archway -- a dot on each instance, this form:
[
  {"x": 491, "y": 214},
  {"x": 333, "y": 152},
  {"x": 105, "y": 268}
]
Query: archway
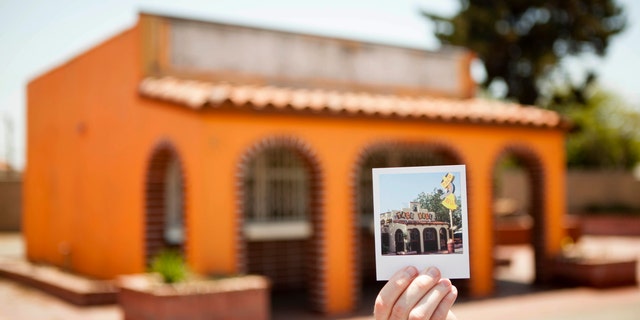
[
  {"x": 519, "y": 236},
  {"x": 414, "y": 241},
  {"x": 386, "y": 242},
  {"x": 164, "y": 202},
  {"x": 399, "y": 240},
  {"x": 430, "y": 240},
  {"x": 280, "y": 219},
  {"x": 443, "y": 239}
]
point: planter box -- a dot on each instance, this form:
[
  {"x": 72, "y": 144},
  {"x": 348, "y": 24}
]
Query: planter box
[
  {"x": 611, "y": 224},
  {"x": 518, "y": 230},
  {"x": 596, "y": 273},
  {"x": 145, "y": 297},
  {"x": 70, "y": 287}
]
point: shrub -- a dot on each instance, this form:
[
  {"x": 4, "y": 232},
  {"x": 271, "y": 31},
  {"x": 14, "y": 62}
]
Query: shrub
[{"x": 170, "y": 264}]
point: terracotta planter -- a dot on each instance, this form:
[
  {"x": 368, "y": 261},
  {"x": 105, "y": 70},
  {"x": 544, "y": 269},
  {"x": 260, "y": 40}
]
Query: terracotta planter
[
  {"x": 611, "y": 224},
  {"x": 596, "y": 273},
  {"x": 145, "y": 297}
]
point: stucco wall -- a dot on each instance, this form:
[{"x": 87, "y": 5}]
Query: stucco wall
[
  {"x": 603, "y": 189},
  {"x": 86, "y": 149}
]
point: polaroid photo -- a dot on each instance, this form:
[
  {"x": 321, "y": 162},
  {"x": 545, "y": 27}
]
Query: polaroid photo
[{"x": 421, "y": 219}]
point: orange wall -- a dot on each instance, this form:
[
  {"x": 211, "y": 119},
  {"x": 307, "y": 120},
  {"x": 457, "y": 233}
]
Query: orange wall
[
  {"x": 338, "y": 142},
  {"x": 89, "y": 139},
  {"x": 90, "y": 135}
]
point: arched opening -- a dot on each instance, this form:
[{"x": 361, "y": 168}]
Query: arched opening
[
  {"x": 165, "y": 205},
  {"x": 399, "y": 240},
  {"x": 280, "y": 219},
  {"x": 519, "y": 236},
  {"x": 443, "y": 239},
  {"x": 414, "y": 241},
  {"x": 430, "y": 240},
  {"x": 385, "y": 242}
]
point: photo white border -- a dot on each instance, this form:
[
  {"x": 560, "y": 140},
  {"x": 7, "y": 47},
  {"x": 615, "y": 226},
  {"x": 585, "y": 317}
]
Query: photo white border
[{"x": 452, "y": 266}]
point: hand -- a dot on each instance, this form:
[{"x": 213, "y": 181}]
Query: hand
[{"x": 413, "y": 295}]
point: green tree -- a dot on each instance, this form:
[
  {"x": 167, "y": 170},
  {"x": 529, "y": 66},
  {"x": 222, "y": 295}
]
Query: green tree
[
  {"x": 522, "y": 42},
  {"x": 605, "y": 130},
  {"x": 433, "y": 202}
]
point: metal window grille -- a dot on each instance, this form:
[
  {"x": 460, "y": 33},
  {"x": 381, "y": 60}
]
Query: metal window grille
[{"x": 277, "y": 187}]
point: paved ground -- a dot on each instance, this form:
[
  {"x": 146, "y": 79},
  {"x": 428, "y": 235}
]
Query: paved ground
[
  {"x": 518, "y": 301},
  {"x": 23, "y": 303},
  {"x": 568, "y": 304}
]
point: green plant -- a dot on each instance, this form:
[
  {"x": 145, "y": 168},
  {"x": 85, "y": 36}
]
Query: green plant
[
  {"x": 523, "y": 44},
  {"x": 170, "y": 265}
]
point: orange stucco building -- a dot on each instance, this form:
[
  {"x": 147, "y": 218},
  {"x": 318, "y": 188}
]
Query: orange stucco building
[{"x": 250, "y": 150}]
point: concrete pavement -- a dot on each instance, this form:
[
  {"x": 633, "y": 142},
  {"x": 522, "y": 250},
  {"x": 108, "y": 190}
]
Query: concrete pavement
[
  {"x": 18, "y": 302},
  {"x": 566, "y": 304}
]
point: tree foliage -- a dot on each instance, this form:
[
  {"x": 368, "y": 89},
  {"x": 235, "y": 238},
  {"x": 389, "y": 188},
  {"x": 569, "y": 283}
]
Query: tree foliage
[
  {"x": 605, "y": 132},
  {"x": 433, "y": 202},
  {"x": 521, "y": 42}
]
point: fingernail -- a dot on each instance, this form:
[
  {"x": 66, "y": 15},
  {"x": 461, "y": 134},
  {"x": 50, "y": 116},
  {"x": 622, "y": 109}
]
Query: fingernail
[
  {"x": 446, "y": 282},
  {"x": 411, "y": 271},
  {"x": 433, "y": 272}
]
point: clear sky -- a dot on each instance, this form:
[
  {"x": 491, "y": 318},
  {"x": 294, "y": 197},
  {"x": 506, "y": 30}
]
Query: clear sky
[
  {"x": 37, "y": 35},
  {"x": 396, "y": 190}
]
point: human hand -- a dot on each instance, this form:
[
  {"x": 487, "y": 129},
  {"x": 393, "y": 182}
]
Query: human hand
[{"x": 412, "y": 295}]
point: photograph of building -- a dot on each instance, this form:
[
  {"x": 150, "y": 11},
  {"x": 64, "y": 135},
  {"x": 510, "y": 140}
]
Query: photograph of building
[{"x": 414, "y": 230}]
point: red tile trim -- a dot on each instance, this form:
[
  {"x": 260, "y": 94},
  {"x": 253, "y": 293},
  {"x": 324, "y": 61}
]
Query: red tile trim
[
  {"x": 154, "y": 186},
  {"x": 316, "y": 254},
  {"x": 537, "y": 201}
]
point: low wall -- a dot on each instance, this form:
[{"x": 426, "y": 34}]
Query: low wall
[
  {"x": 10, "y": 203},
  {"x": 613, "y": 189},
  {"x": 603, "y": 189},
  {"x": 611, "y": 224}
]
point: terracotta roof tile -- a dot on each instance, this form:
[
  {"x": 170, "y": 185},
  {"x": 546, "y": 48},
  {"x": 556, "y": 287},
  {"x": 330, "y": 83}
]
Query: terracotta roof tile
[{"x": 198, "y": 94}]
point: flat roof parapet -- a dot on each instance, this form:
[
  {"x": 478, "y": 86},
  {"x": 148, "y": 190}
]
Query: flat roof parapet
[{"x": 249, "y": 55}]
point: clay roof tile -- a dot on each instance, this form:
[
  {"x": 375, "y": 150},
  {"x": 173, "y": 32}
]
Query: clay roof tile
[{"x": 197, "y": 94}]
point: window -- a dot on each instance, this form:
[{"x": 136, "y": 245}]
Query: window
[
  {"x": 277, "y": 196},
  {"x": 173, "y": 231}
]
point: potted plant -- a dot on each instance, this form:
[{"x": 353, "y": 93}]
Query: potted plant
[{"x": 169, "y": 291}]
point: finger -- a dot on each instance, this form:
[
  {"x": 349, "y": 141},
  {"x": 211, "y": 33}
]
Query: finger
[
  {"x": 420, "y": 286},
  {"x": 426, "y": 307},
  {"x": 443, "y": 311},
  {"x": 392, "y": 290},
  {"x": 451, "y": 316}
]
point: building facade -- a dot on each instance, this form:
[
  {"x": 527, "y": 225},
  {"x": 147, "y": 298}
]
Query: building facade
[
  {"x": 413, "y": 230},
  {"x": 250, "y": 150}
]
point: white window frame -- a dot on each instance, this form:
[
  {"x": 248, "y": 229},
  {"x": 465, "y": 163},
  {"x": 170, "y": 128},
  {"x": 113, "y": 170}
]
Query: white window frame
[{"x": 173, "y": 204}]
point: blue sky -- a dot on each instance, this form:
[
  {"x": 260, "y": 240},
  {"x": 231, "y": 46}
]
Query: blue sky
[
  {"x": 37, "y": 35},
  {"x": 396, "y": 190}
]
